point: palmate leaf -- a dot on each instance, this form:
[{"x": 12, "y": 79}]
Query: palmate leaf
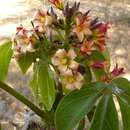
[
  {"x": 76, "y": 105},
  {"x": 43, "y": 80},
  {"x": 121, "y": 87},
  {"x": 122, "y": 92},
  {"x": 105, "y": 117},
  {"x": 5, "y": 57},
  {"x": 123, "y": 84},
  {"x": 125, "y": 111}
]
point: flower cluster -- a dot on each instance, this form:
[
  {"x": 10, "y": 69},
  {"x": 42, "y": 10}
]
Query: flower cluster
[
  {"x": 68, "y": 67},
  {"x": 41, "y": 20},
  {"x": 24, "y": 41},
  {"x": 73, "y": 44}
]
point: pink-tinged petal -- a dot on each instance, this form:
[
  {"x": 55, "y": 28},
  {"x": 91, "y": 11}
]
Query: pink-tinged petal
[
  {"x": 67, "y": 72},
  {"x": 55, "y": 61},
  {"x": 70, "y": 87},
  {"x": 74, "y": 30},
  {"x": 79, "y": 77},
  {"x": 60, "y": 53},
  {"x": 40, "y": 16},
  {"x": 71, "y": 54},
  {"x": 80, "y": 36},
  {"x": 62, "y": 68},
  {"x": 78, "y": 85},
  {"x": 73, "y": 65}
]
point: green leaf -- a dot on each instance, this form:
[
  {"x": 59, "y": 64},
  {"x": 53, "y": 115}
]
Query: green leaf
[
  {"x": 125, "y": 111},
  {"x": 5, "y": 57},
  {"x": 98, "y": 73},
  {"x": 105, "y": 117},
  {"x": 25, "y": 61},
  {"x": 43, "y": 80},
  {"x": 76, "y": 105},
  {"x": 123, "y": 84},
  {"x": 121, "y": 87},
  {"x": 106, "y": 54},
  {"x": 88, "y": 75},
  {"x": 111, "y": 119},
  {"x": 98, "y": 56}
]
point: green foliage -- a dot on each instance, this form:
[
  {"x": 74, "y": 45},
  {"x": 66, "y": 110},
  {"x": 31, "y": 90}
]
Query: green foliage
[
  {"x": 105, "y": 117},
  {"x": 43, "y": 80},
  {"x": 121, "y": 87},
  {"x": 76, "y": 105},
  {"x": 125, "y": 111},
  {"x": 5, "y": 57},
  {"x": 25, "y": 61},
  {"x": 88, "y": 75}
]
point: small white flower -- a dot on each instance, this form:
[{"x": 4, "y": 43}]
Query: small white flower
[
  {"x": 72, "y": 80},
  {"x": 24, "y": 41},
  {"x": 42, "y": 19},
  {"x": 65, "y": 60}
]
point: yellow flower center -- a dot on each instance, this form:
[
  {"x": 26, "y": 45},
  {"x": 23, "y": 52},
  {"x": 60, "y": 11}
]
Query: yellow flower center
[
  {"x": 26, "y": 40},
  {"x": 71, "y": 79},
  {"x": 65, "y": 61},
  {"x": 42, "y": 19}
]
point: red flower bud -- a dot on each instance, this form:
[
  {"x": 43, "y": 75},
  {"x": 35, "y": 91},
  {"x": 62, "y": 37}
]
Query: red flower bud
[
  {"x": 117, "y": 71},
  {"x": 100, "y": 64},
  {"x": 103, "y": 27}
]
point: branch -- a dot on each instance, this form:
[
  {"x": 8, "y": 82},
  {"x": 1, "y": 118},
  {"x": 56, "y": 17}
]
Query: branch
[{"x": 23, "y": 99}]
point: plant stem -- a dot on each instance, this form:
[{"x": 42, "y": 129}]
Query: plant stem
[
  {"x": 67, "y": 32},
  {"x": 23, "y": 99}
]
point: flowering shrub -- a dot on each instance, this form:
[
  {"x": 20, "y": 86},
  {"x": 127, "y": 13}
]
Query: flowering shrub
[{"x": 72, "y": 75}]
